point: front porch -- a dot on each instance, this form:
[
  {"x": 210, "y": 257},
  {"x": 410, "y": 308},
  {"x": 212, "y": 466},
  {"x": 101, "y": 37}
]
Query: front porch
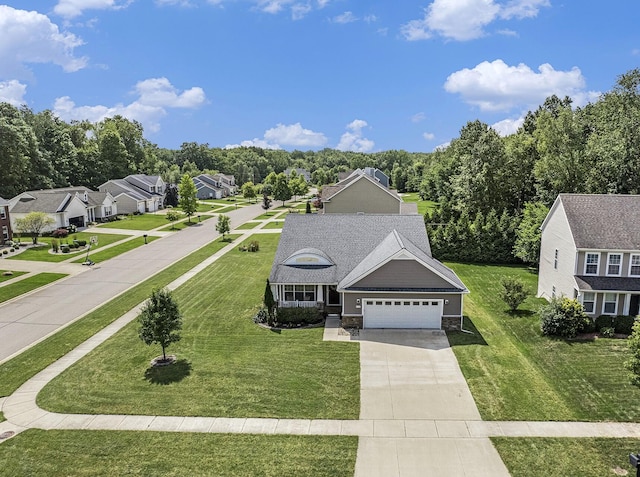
[{"x": 323, "y": 297}]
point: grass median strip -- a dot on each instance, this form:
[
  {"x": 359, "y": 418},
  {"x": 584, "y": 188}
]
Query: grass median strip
[
  {"x": 42, "y": 252},
  {"x": 28, "y": 284},
  {"x": 16, "y": 371},
  {"x": 515, "y": 373},
  {"x": 109, "y": 453},
  {"x": 4, "y": 278},
  {"x": 227, "y": 366},
  {"x": 559, "y": 457},
  {"x": 106, "y": 254}
]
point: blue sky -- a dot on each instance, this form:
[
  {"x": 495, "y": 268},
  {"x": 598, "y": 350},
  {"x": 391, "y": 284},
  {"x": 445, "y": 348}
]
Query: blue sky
[{"x": 308, "y": 74}]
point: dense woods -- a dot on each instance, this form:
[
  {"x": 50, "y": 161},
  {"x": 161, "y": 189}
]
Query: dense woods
[{"x": 481, "y": 181}]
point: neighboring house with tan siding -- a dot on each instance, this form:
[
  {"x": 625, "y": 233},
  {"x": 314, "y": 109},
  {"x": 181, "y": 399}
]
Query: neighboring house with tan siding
[
  {"x": 359, "y": 193},
  {"x": 590, "y": 250},
  {"x": 377, "y": 270}
]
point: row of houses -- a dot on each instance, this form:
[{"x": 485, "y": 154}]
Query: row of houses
[{"x": 79, "y": 206}]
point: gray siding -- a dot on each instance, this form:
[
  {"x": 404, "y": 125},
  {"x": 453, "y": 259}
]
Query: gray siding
[
  {"x": 126, "y": 205},
  {"x": 362, "y": 196},
  {"x": 557, "y": 235},
  {"x": 403, "y": 274},
  {"x": 604, "y": 257},
  {"x": 453, "y": 308}
]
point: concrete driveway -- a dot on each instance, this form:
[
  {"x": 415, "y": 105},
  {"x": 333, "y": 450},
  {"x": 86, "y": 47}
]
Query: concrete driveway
[{"x": 414, "y": 375}]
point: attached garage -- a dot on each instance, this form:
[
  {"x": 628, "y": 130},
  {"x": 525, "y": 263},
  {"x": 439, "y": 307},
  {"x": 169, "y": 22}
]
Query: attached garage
[{"x": 407, "y": 313}]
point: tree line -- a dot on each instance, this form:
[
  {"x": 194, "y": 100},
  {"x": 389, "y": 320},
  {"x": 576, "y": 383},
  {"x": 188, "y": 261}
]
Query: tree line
[{"x": 484, "y": 183}]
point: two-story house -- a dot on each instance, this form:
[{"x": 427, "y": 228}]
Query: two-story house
[
  {"x": 137, "y": 193},
  {"x": 360, "y": 193},
  {"x": 590, "y": 250},
  {"x": 5, "y": 222}
]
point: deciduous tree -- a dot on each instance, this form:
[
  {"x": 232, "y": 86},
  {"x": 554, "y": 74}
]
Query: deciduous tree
[
  {"x": 33, "y": 223},
  {"x": 160, "y": 320},
  {"x": 187, "y": 191},
  {"x": 223, "y": 226}
]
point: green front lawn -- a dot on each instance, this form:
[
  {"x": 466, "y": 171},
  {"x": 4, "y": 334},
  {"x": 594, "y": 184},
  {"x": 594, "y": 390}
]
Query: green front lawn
[
  {"x": 276, "y": 224},
  {"x": 200, "y": 207},
  {"x": 268, "y": 215},
  {"x": 42, "y": 253},
  {"x": 562, "y": 457},
  {"x": 424, "y": 206},
  {"x": 14, "y": 274},
  {"x": 16, "y": 371},
  {"x": 111, "y": 453},
  {"x": 28, "y": 284},
  {"x": 515, "y": 373},
  {"x": 227, "y": 365},
  {"x": 183, "y": 224},
  {"x": 137, "y": 222}
]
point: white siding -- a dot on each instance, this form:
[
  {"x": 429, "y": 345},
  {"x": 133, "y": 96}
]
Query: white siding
[{"x": 556, "y": 234}]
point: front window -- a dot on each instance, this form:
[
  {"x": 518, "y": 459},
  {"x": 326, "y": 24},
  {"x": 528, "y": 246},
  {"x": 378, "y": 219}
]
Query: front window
[
  {"x": 588, "y": 302},
  {"x": 299, "y": 293},
  {"x": 634, "y": 266},
  {"x": 5, "y": 232},
  {"x": 610, "y": 304},
  {"x": 3, "y": 212},
  {"x": 555, "y": 260},
  {"x": 614, "y": 264},
  {"x": 591, "y": 264}
]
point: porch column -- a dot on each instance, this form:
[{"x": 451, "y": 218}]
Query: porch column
[
  {"x": 320, "y": 294},
  {"x": 627, "y": 303}
]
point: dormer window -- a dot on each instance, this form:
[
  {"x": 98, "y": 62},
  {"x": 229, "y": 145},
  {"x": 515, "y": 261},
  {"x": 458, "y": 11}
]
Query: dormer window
[{"x": 308, "y": 258}]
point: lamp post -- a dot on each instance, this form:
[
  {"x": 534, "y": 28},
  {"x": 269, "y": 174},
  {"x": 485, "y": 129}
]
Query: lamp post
[
  {"x": 634, "y": 460},
  {"x": 145, "y": 238}
]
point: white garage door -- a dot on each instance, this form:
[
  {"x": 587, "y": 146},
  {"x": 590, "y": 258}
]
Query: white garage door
[{"x": 388, "y": 313}]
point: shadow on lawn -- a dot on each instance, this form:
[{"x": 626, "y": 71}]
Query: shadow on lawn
[
  {"x": 471, "y": 335},
  {"x": 168, "y": 374}
]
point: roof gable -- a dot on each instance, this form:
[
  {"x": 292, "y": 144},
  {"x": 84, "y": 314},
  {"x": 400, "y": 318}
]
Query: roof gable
[
  {"x": 356, "y": 176},
  {"x": 602, "y": 221}
]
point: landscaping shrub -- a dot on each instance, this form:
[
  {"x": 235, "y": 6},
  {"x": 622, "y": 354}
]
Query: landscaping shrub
[
  {"x": 624, "y": 324},
  {"x": 297, "y": 316},
  {"x": 60, "y": 233},
  {"x": 65, "y": 249},
  {"x": 262, "y": 316},
  {"x": 562, "y": 317},
  {"x": 55, "y": 245},
  {"x": 4, "y": 252},
  {"x": 604, "y": 321},
  {"x": 82, "y": 243},
  {"x": 607, "y": 332},
  {"x": 513, "y": 292}
]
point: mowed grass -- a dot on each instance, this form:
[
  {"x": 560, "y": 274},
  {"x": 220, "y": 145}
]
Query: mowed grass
[
  {"x": 248, "y": 225},
  {"x": 137, "y": 222},
  {"x": 14, "y": 274},
  {"x": 276, "y": 224},
  {"x": 562, "y": 457},
  {"x": 424, "y": 206},
  {"x": 515, "y": 373},
  {"x": 106, "y": 254},
  {"x": 109, "y": 453},
  {"x": 42, "y": 253},
  {"x": 183, "y": 224},
  {"x": 28, "y": 284},
  {"x": 16, "y": 371},
  {"x": 227, "y": 365}
]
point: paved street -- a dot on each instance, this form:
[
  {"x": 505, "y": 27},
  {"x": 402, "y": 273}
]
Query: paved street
[{"x": 31, "y": 318}]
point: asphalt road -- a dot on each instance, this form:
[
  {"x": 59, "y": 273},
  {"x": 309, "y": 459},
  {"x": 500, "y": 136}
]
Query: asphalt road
[{"x": 31, "y": 318}]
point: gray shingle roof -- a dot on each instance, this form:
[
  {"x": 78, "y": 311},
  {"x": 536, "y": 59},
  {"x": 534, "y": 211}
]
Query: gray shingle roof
[
  {"x": 347, "y": 240},
  {"x": 47, "y": 201},
  {"x": 624, "y": 284},
  {"x": 610, "y": 222}
]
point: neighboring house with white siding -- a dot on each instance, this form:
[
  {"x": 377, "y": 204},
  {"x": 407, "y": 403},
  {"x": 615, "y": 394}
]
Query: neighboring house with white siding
[
  {"x": 63, "y": 206},
  {"x": 376, "y": 270},
  {"x": 590, "y": 250}
]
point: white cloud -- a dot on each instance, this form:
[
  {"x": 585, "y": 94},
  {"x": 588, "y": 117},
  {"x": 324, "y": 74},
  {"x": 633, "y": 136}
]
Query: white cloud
[
  {"x": 294, "y": 135},
  {"x": 352, "y": 140},
  {"x": 323, "y": 3},
  {"x": 75, "y": 8},
  {"x": 155, "y": 95},
  {"x": 442, "y": 147},
  {"x": 464, "y": 20},
  {"x": 30, "y": 37},
  {"x": 12, "y": 92},
  {"x": 382, "y": 31},
  {"x": 261, "y": 143},
  {"x": 496, "y": 86},
  {"x": 429, "y": 136},
  {"x": 508, "y": 126},
  {"x": 273, "y": 6},
  {"x": 370, "y": 18},
  {"x": 418, "y": 117},
  {"x": 300, "y": 10},
  {"x": 346, "y": 17}
]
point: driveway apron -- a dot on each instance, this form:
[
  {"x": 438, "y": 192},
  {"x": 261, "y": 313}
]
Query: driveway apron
[{"x": 413, "y": 375}]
